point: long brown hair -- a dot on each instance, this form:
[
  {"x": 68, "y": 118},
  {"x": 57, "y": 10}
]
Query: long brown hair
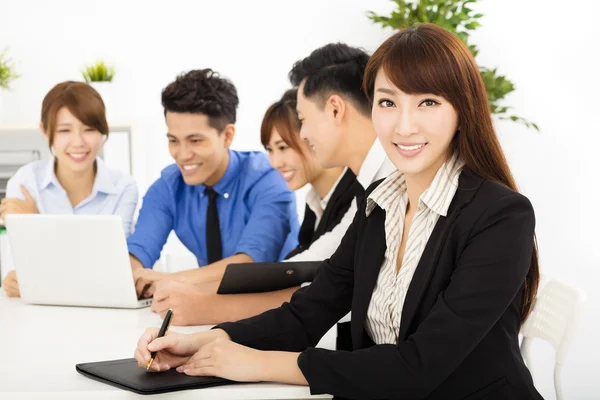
[
  {"x": 82, "y": 100},
  {"x": 430, "y": 59}
]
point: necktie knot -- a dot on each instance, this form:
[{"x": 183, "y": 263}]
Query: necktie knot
[{"x": 210, "y": 192}]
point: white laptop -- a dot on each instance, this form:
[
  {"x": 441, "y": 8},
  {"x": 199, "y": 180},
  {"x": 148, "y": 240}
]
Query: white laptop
[{"x": 72, "y": 260}]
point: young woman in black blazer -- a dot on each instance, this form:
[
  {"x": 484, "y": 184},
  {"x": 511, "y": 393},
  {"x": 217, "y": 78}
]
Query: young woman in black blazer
[
  {"x": 435, "y": 314},
  {"x": 290, "y": 155}
]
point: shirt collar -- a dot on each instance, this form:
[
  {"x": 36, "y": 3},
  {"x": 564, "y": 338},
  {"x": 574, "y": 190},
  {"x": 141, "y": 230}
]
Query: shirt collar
[
  {"x": 314, "y": 201},
  {"x": 102, "y": 182},
  {"x": 49, "y": 176},
  {"x": 437, "y": 197},
  {"x": 225, "y": 183},
  {"x": 369, "y": 168},
  {"x": 384, "y": 194}
]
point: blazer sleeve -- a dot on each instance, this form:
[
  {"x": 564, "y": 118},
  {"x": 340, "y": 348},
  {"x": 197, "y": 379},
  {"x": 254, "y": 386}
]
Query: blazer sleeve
[
  {"x": 489, "y": 274},
  {"x": 311, "y": 312}
]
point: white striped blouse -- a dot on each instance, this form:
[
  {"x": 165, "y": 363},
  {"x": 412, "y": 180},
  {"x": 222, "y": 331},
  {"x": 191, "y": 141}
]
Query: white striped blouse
[{"x": 385, "y": 308}]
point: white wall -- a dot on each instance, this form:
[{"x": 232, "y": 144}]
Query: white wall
[{"x": 549, "y": 51}]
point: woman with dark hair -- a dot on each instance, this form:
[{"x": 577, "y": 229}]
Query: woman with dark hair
[
  {"x": 439, "y": 267},
  {"x": 332, "y": 189},
  {"x": 75, "y": 180}
]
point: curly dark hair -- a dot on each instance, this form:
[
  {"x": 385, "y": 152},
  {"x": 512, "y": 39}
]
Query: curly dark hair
[{"x": 202, "y": 91}]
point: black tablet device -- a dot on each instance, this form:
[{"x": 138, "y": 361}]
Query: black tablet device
[
  {"x": 126, "y": 374},
  {"x": 267, "y": 277}
]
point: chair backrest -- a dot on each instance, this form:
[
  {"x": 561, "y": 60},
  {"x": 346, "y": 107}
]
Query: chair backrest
[{"x": 554, "y": 317}]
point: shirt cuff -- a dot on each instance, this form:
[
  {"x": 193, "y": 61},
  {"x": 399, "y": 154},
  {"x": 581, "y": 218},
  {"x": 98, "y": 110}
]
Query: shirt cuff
[
  {"x": 139, "y": 253},
  {"x": 257, "y": 255}
]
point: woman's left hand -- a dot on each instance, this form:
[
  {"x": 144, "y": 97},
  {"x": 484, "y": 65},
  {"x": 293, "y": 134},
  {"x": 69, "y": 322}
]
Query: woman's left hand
[
  {"x": 226, "y": 359},
  {"x": 18, "y": 206}
]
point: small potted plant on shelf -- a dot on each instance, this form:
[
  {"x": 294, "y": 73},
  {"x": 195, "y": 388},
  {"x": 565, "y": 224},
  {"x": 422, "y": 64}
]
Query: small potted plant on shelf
[
  {"x": 7, "y": 75},
  {"x": 100, "y": 75}
]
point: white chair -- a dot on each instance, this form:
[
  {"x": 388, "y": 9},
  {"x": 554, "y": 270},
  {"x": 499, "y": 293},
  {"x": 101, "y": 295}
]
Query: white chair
[{"x": 554, "y": 318}]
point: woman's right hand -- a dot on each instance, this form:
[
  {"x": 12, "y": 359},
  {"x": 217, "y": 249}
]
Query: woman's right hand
[
  {"x": 11, "y": 285},
  {"x": 174, "y": 349}
]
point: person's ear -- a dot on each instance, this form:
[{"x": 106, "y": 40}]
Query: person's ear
[
  {"x": 338, "y": 107},
  {"x": 228, "y": 133}
]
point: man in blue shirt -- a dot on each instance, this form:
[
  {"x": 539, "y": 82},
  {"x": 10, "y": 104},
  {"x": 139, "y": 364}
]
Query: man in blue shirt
[{"x": 225, "y": 206}]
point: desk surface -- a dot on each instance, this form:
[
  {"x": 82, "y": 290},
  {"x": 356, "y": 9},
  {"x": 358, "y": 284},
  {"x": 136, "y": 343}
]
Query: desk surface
[{"x": 40, "y": 346}]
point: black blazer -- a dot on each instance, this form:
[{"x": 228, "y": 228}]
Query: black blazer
[
  {"x": 460, "y": 320},
  {"x": 346, "y": 190}
]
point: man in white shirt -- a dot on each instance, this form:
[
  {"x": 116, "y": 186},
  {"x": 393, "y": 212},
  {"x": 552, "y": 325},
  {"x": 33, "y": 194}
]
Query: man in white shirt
[{"x": 336, "y": 120}]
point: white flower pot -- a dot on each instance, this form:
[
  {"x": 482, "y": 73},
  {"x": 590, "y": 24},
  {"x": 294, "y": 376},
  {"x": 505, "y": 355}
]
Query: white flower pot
[{"x": 106, "y": 91}]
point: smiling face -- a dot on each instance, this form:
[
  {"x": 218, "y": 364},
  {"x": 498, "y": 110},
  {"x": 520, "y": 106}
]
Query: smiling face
[
  {"x": 75, "y": 144},
  {"x": 415, "y": 129},
  {"x": 200, "y": 151},
  {"x": 297, "y": 169}
]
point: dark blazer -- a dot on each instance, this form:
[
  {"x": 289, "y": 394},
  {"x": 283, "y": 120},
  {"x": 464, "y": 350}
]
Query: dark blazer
[
  {"x": 460, "y": 320},
  {"x": 346, "y": 190}
]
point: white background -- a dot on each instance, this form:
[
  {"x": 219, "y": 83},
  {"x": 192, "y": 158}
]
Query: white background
[{"x": 548, "y": 48}]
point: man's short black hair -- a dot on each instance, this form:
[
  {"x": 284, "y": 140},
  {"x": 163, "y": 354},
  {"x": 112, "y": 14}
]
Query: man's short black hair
[
  {"x": 335, "y": 68},
  {"x": 202, "y": 91}
]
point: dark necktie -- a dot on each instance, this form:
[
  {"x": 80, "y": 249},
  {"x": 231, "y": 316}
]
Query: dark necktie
[{"x": 213, "y": 231}]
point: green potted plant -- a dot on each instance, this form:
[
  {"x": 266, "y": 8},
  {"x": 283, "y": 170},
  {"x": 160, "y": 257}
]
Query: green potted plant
[
  {"x": 98, "y": 72},
  {"x": 7, "y": 74},
  {"x": 458, "y": 17},
  {"x": 7, "y": 70},
  {"x": 100, "y": 76}
]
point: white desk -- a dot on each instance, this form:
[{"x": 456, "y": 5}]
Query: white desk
[{"x": 40, "y": 345}]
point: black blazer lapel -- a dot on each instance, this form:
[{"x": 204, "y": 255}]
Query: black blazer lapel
[
  {"x": 347, "y": 190},
  {"x": 423, "y": 272},
  {"x": 366, "y": 270},
  {"x": 467, "y": 186}
]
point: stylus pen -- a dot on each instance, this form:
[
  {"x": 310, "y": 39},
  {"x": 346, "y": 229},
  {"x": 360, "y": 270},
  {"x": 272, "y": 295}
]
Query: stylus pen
[{"x": 162, "y": 332}]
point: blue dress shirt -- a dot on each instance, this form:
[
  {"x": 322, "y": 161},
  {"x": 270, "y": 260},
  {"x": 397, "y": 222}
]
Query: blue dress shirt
[
  {"x": 255, "y": 207},
  {"x": 113, "y": 193}
]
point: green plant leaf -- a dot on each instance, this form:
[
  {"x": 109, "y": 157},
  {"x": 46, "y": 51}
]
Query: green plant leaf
[
  {"x": 7, "y": 70},
  {"x": 98, "y": 72}
]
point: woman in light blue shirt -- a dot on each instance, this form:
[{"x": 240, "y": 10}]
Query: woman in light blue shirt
[{"x": 75, "y": 180}]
